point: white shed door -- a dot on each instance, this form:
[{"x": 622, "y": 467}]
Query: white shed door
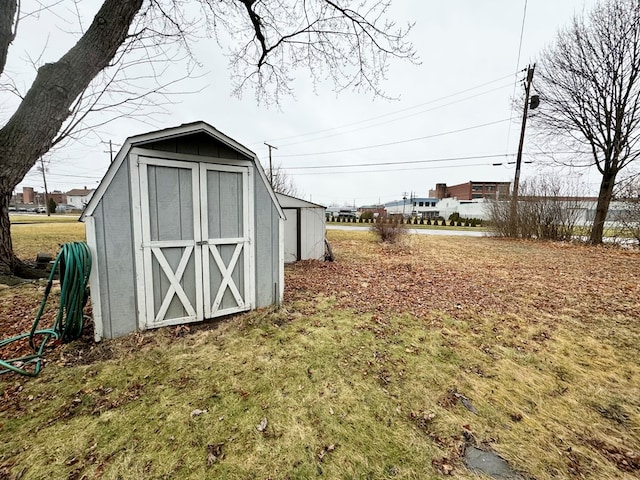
[{"x": 196, "y": 235}]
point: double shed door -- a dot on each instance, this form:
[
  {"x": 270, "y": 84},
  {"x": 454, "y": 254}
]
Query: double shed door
[{"x": 196, "y": 234}]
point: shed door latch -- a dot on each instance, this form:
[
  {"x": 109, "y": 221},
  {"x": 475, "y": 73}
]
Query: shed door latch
[{"x": 202, "y": 242}]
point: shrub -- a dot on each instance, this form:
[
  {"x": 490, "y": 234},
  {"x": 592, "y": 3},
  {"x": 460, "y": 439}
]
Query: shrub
[
  {"x": 546, "y": 209},
  {"x": 51, "y": 205},
  {"x": 388, "y": 230},
  {"x": 368, "y": 215}
]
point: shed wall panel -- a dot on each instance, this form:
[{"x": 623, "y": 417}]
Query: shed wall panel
[
  {"x": 115, "y": 246},
  {"x": 266, "y": 247},
  {"x": 313, "y": 233},
  {"x": 291, "y": 235}
]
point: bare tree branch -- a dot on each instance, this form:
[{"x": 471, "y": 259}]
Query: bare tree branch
[
  {"x": 120, "y": 64},
  {"x": 589, "y": 84}
]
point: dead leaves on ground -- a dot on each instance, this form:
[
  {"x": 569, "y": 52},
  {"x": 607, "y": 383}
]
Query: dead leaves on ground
[{"x": 464, "y": 278}]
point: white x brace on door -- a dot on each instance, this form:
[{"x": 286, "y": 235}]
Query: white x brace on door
[{"x": 196, "y": 234}]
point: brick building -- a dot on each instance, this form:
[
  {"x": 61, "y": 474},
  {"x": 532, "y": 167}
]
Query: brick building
[{"x": 471, "y": 190}]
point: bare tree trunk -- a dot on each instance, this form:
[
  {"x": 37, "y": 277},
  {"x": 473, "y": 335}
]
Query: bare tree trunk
[
  {"x": 7, "y": 258},
  {"x": 604, "y": 199},
  {"x": 30, "y": 131},
  {"x": 8, "y": 9}
]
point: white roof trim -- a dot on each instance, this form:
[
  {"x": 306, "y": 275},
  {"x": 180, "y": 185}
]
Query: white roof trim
[
  {"x": 180, "y": 131},
  {"x": 299, "y": 200}
]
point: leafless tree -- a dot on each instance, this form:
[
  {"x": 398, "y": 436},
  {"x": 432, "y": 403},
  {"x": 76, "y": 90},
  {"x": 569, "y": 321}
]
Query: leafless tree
[
  {"x": 548, "y": 208},
  {"x": 589, "y": 87},
  {"x": 628, "y": 213},
  {"x": 281, "y": 181},
  {"x": 351, "y": 42}
]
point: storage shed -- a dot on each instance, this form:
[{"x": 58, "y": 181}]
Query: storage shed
[
  {"x": 304, "y": 229},
  {"x": 183, "y": 227}
]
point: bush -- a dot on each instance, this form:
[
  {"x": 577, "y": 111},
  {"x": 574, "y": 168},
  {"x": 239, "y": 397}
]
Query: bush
[
  {"x": 388, "y": 230},
  {"x": 546, "y": 209},
  {"x": 51, "y": 205},
  {"x": 368, "y": 215}
]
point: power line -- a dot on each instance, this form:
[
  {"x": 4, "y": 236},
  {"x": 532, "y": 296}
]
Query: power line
[
  {"x": 515, "y": 82},
  {"x": 391, "y": 170},
  {"x": 398, "y": 141},
  {"x": 390, "y": 113},
  {"x": 403, "y": 162},
  {"x": 344, "y": 132}
]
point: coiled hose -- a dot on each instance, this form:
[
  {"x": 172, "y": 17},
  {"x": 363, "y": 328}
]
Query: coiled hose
[{"x": 74, "y": 261}]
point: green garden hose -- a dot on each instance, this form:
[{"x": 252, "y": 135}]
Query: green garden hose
[{"x": 74, "y": 261}]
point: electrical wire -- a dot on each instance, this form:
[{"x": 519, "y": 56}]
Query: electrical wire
[
  {"x": 388, "y": 170},
  {"x": 398, "y": 141},
  {"x": 404, "y": 117},
  {"x": 515, "y": 83},
  {"x": 403, "y": 162},
  {"x": 340, "y": 127}
]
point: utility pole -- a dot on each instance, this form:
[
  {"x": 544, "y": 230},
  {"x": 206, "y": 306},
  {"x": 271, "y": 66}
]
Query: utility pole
[
  {"x": 46, "y": 191},
  {"x": 110, "y": 151},
  {"x": 535, "y": 101},
  {"x": 527, "y": 91},
  {"x": 271, "y": 147}
]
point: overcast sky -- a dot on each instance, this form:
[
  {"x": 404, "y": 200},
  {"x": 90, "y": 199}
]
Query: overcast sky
[{"x": 452, "y": 120}]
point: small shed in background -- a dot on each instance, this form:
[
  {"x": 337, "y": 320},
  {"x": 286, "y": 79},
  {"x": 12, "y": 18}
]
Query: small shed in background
[
  {"x": 304, "y": 229},
  {"x": 183, "y": 227}
]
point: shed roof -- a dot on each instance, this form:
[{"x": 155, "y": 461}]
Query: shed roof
[
  {"x": 78, "y": 192},
  {"x": 183, "y": 130},
  {"x": 287, "y": 201}
]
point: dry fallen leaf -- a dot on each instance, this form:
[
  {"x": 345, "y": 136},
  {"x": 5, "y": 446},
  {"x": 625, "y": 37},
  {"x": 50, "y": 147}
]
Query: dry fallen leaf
[
  {"x": 262, "y": 426},
  {"x": 214, "y": 453}
]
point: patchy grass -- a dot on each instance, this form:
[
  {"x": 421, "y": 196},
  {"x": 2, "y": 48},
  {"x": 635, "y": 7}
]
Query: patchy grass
[
  {"x": 31, "y": 238},
  {"x": 360, "y": 374},
  {"x": 57, "y": 218}
]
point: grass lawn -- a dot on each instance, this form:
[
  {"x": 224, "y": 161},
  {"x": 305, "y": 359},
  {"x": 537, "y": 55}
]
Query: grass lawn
[
  {"x": 383, "y": 364},
  {"x": 32, "y": 234}
]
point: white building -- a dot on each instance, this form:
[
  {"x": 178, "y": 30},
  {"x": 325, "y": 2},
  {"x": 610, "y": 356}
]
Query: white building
[
  {"x": 78, "y": 198},
  {"x": 415, "y": 207}
]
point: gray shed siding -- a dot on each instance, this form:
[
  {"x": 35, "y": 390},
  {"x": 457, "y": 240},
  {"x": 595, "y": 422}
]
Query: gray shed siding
[
  {"x": 171, "y": 216},
  {"x": 114, "y": 238},
  {"x": 312, "y": 231},
  {"x": 266, "y": 249},
  {"x": 196, "y": 144}
]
